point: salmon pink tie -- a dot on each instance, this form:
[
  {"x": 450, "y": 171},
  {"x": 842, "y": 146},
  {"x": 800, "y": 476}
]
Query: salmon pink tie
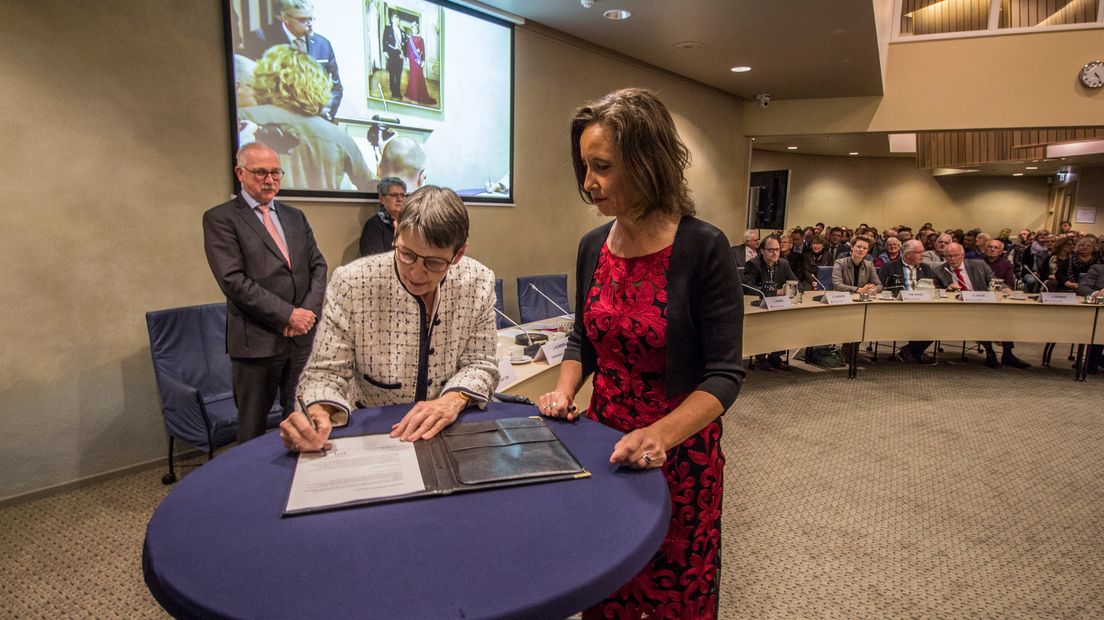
[{"x": 271, "y": 228}]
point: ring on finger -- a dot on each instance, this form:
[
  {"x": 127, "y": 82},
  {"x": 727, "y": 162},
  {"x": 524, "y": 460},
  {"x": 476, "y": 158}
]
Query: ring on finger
[{"x": 647, "y": 459}]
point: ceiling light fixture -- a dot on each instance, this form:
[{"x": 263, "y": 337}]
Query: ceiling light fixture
[
  {"x": 1032, "y": 168},
  {"x": 617, "y": 14},
  {"x": 1017, "y": 174},
  {"x": 741, "y": 69},
  {"x": 689, "y": 45},
  {"x": 853, "y": 153},
  {"x": 791, "y": 148}
]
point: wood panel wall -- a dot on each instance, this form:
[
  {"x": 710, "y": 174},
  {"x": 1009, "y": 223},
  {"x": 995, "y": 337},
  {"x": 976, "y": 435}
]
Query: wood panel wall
[
  {"x": 1031, "y": 13},
  {"x": 940, "y": 16},
  {"x": 942, "y": 149}
]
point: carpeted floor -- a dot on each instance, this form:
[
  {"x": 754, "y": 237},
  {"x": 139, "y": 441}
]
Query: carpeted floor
[{"x": 953, "y": 491}]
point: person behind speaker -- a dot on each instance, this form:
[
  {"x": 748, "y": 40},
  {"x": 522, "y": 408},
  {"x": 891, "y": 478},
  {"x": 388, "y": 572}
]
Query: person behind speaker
[
  {"x": 905, "y": 273},
  {"x": 853, "y": 273},
  {"x": 768, "y": 273},
  {"x": 404, "y": 158},
  {"x": 748, "y": 250},
  {"x": 378, "y": 233},
  {"x": 415, "y": 325},
  {"x": 263, "y": 255}
]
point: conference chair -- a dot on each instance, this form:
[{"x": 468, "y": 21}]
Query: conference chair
[
  {"x": 193, "y": 373},
  {"x": 533, "y": 306},
  {"x": 499, "y": 321},
  {"x": 1048, "y": 348},
  {"x": 824, "y": 277}
]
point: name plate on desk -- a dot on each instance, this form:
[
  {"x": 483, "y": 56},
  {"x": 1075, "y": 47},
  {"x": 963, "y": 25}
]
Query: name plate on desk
[
  {"x": 916, "y": 296},
  {"x": 780, "y": 302},
  {"x": 837, "y": 297},
  {"x": 553, "y": 351},
  {"x": 979, "y": 297},
  {"x": 1058, "y": 298},
  {"x": 506, "y": 373}
]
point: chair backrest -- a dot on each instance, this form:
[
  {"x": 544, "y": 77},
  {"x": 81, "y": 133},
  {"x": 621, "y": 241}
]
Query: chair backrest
[
  {"x": 1082, "y": 278},
  {"x": 189, "y": 344},
  {"x": 499, "y": 321},
  {"x": 533, "y": 306},
  {"x": 824, "y": 278}
]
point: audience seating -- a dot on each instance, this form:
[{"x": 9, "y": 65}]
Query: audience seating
[
  {"x": 500, "y": 322},
  {"x": 824, "y": 278},
  {"x": 533, "y": 306},
  {"x": 193, "y": 374}
]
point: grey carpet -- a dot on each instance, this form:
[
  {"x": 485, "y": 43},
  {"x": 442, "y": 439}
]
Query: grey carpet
[{"x": 953, "y": 491}]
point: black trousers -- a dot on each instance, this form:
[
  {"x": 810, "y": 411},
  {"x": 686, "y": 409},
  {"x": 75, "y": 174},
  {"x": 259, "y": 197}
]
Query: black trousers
[
  {"x": 394, "y": 75},
  {"x": 258, "y": 380}
]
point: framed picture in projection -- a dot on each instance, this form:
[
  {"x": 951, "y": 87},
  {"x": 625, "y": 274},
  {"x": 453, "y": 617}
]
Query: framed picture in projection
[{"x": 405, "y": 64}]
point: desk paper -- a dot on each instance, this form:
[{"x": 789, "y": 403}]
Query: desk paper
[
  {"x": 779, "y": 302},
  {"x": 1058, "y": 298},
  {"x": 553, "y": 351},
  {"x": 916, "y": 295},
  {"x": 506, "y": 374},
  {"x": 979, "y": 296},
  {"x": 837, "y": 297},
  {"x": 357, "y": 468}
]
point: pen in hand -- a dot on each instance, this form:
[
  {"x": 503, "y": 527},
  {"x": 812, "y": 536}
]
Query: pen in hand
[{"x": 310, "y": 420}]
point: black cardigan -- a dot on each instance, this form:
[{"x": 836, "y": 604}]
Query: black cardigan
[{"x": 705, "y": 311}]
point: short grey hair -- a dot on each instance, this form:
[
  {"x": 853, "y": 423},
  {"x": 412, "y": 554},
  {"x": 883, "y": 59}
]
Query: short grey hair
[
  {"x": 749, "y": 233},
  {"x": 438, "y": 215},
  {"x": 296, "y": 5},
  {"x": 249, "y": 148},
  {"x": 387, "y": 182}
]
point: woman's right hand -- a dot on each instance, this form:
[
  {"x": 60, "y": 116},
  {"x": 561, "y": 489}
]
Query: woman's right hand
[{"x": 557, "y": 404}]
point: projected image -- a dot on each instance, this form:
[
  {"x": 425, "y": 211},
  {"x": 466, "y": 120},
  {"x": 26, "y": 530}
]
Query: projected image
[{"x": 350, "y": 91}]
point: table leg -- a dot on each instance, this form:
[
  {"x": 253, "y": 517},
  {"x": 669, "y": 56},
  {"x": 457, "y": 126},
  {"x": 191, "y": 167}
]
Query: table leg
[
  {"x": 1081, "y": 364},
  {"x": 852, "y": 363}
]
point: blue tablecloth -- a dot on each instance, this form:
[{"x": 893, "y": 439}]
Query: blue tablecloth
[{"x": 218, "y": 546}]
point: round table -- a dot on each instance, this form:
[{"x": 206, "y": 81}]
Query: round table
[{"x": 217, "y": 546}]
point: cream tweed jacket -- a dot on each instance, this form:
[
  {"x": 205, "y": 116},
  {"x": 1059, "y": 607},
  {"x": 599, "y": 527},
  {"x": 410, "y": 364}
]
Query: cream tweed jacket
[{"x": 374, "y": 346}]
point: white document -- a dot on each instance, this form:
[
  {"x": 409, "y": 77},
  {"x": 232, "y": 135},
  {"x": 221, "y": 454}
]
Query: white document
[
  {"x": 837, "y": 297},
  {"x": 924, "y": 295},
  {"x": 779, "y": 302},
  {"x": 554, "y": 351},
  {"x": 357, "y": 468},
  {"x": 1058, "y": 298},
  {"x": 979, "y": 297}
]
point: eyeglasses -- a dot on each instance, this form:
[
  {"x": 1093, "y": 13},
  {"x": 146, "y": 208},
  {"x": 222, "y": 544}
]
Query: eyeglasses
[
  {"x": 302, "y": 19},
  {"x": 395, "y": 195},
  {"x": 432, "y": 263},
  {"x": 770, "y": 249},
  {"x": 261, "y": 173}
]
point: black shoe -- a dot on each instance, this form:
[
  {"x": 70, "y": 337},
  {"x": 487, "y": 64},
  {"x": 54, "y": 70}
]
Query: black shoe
[
  {"x": 1009, "y": 359},
  {"x": 991, "y": 360},
  {"x": 778, "y": 364},
  {"x": 924, "y": 361}
]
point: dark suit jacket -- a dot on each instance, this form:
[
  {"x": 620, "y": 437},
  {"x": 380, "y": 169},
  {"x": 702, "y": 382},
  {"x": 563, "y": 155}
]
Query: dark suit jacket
[
  {"x": 1094, "y": 281},
  {"x": 705, "y": 312},
  {"x": 739, "y": 254},
  {"x": 261, "y": 290},
  {"x": 376, "y": 236},
  {"x": 756, "y": 275},
  {"x": 318, "y": 48},
  {"x": 393, "y": 48},
  {"x": 977, "y": 270},
  {"x": 892, "y": 274}
]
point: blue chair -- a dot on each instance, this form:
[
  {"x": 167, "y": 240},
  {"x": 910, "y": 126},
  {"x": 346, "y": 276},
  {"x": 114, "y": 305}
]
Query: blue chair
[
  {"x": 499, "y": 321},
  {"x": 533, "y": 306},
  {"x": 193, "y": 374},
  {"x": 824, "y": 277}
]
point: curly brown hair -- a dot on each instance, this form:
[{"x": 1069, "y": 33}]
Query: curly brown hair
[{"x": 290, "y": 79}]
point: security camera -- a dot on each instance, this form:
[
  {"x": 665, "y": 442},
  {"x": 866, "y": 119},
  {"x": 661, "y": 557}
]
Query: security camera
[
  {"x": 763, "y": 99},
  {"x": 586, "y": 3}
]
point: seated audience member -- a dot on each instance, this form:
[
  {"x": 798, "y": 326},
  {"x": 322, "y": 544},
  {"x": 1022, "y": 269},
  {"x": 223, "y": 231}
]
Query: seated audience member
[
  {"x": 404, "y": 158},
  {"x": 1064, "y": 228},
  {"x": 1036, "y": 257},
  {"x": 1021, "y": 239},
  {"x": 853, "y": 273},
  {"x": 969, "y": 240},
  {"x": 748, "y": 250},
  {"x": 816, "y": 255},
  {"x": 836, "y": 244},
  {"x": 380, "y": 316},
  {"x": 1058, "y": 264},
  {"x": 1083, "y": 258},
  {"x": 797, "y": 238},
  {"x": 794, "y": 259},
  {"x": 1001, "y": 266},
  {"x": 768, "y": 273},
  {"x": 379, "y": 231},
  {"x": 291, "y": 89},
  {"x": 904, "y": 233},
  {"x": 1093, "y": 286},
  {"x": 905, "y": 274},
  {"x": 981, "y": 240},
  {"x": 959, "y": 274},
  {"x": 892, "y": 252},
  {"x": 1005, "y": 235}
]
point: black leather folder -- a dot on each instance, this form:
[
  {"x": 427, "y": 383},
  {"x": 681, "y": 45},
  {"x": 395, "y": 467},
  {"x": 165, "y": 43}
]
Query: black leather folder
[{"x": 477, "y": 456}]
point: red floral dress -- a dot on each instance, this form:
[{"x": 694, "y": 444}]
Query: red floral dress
[{"x": 625, "y": 316}]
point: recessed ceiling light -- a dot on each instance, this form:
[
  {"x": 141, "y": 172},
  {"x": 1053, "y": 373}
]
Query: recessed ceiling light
[
  {"x": 1032, "y": 168},
  {"x": 1017, "y": 174},
  {"x": 689, "y": 45},
  {"x": 741, "y": 69},
  {"x": 792, "y": 148},
  {"x": 853, "y": 153},
  {"x": 617, "y": 14}
]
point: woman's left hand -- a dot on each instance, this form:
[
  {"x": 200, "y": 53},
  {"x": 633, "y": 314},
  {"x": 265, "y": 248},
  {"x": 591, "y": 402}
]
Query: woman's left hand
[
  {"x": 640, "y": 449},
  {"x": 428, "y": 417}
]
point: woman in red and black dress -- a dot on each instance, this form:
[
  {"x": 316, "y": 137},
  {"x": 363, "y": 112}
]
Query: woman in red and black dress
[{"x": 658, "y": 324}]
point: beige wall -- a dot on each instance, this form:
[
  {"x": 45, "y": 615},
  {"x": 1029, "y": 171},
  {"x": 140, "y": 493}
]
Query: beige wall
[
  {"x": 884, "y": 192},
  {"x": 1022, "y": 80},
  {"x": 115, "y": 142},
  {"x": 1090, "y": 195}
]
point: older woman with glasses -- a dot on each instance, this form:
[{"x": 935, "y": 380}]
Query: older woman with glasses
[{"x": 395, "y": 330}]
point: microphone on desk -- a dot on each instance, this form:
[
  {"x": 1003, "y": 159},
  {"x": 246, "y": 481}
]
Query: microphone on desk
[
  {"x": 762, "y": 295},
  {"x": 550, "y": 300},
  {"x": 1042, "y": 282},
  {"x": 514, "y": 323}
]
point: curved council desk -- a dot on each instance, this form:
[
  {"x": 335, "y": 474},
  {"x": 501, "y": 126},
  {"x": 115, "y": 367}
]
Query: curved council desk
[
  {"x": 217, "y": 546},
  {"x": 813, "y": 323}
]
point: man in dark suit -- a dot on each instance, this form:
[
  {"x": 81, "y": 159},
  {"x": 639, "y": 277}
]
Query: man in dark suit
[
  {"x": 958, "y": 274},
  {"x": 393, "y": 42},
  {"x": 904, "y": 274},
  {"x": 1093, "y": 286},
  {"x": 264, "y": 258},
  {"x": 769, "y": 273},
  {"x": 295, "y": 27},
  {"x": 378, "y": 233},
  {"x": 747, "y": 250}
]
